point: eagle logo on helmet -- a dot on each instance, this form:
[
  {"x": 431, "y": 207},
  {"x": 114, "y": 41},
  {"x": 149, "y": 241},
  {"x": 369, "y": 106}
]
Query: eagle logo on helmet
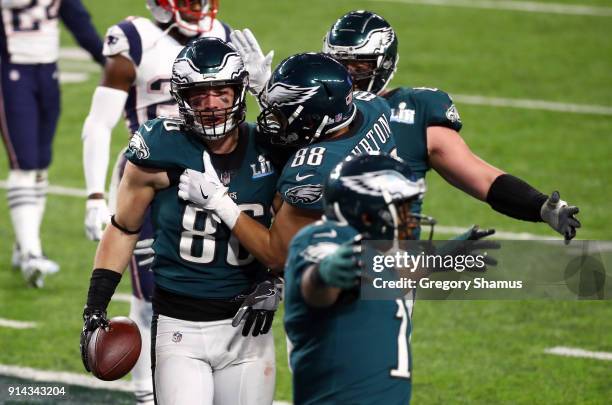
[
  {"x": 138, "y": 146},
  {"x": 184, "y": 71},
  {"x": 305, "y": 194},
  {"x": 389, "y": 181},
  {"x": 285, "y": 94}
]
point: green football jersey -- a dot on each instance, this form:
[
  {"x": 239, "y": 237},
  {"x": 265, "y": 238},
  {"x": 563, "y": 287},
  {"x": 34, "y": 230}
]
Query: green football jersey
[
  {"x": 195, "y": 253},
  {"x": 301, "y": 182},
  {"x": 412, "y": 111},
  {"x": 353, "y": 352}
]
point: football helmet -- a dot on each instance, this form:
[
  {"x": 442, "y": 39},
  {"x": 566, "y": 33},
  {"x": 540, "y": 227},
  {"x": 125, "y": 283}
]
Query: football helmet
[
  {"x": 188, "y": 15},
  {"x": 373, "y": 193},
  {"x": 208, "y": 64},
  {"x": 307, "y": 96},
  {"x": 365, "y": 40}
]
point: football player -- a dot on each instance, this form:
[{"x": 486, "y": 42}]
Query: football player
[
  {"x": 308, "y": 105},
  {"x": 201, "y": 273},
  {"x": 29, "y": 111},
  {"x": 136, "y": 82},
  {"x": 366, "y": 358},
  {"x": 426, "y": 125}
]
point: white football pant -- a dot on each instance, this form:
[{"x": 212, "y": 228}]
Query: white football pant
[{"x": 211, "y": 363}]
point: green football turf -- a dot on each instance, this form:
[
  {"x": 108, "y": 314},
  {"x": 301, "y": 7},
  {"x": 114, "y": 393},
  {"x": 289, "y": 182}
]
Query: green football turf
[{"x": 464, "y": 352}]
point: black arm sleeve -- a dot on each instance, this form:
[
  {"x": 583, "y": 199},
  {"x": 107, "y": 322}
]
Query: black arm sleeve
[
  {"x": 515, "y": 198},
  {"x": 101, "y": 288},
  {"x": 77, "y": 19}
]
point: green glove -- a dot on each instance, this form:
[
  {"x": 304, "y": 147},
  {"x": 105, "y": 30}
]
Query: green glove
[{"x": 341, "y": 269}]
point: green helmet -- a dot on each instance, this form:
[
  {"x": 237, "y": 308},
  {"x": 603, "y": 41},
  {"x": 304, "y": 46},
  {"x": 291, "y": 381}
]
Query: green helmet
[
  {"x": 362, "y": 36},
  {"x": 204, "y": 64},
  {"x": 307, "y": 96},
  {"x": 373, "y": 193}
]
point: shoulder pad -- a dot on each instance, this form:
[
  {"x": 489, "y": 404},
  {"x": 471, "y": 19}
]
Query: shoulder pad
[
  {"x": 124, "y": 39},
  {"x": 370, "y": 101},
  {"x": 157, "y": 144},
  {"x": 439, "y": 107},
  {"x": 314, "y": 242}
]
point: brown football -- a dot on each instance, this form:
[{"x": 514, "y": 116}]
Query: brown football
[{"x": 112, "y": 352}]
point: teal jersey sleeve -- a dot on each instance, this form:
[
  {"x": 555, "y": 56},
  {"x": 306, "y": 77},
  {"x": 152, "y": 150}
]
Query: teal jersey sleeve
[
  {"x": 314, "y": 242},
  {"x": 302, "y": 179},
  {"x": 160, "y": 144},
  {"x": 438, "y": 107}
]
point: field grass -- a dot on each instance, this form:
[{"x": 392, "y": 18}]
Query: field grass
[{"x": 464, "y": 352}]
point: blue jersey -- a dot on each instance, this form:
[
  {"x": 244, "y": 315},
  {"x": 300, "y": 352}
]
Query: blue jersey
[
  {"x": 301, "y": 182},
  {"x": 195, "y": 254},
  {"x": 353, "y": 352}
]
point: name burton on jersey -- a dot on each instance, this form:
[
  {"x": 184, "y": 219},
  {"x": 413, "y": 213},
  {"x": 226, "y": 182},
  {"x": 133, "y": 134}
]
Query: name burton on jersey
[{"x": 379, "y": 134}]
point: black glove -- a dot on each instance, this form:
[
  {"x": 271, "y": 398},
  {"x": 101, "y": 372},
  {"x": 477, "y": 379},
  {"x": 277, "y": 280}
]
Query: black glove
[
  {"x": 259, "y": 307},
  {"x": 456, "y": 247},
  {"x": 92, "y": 320}
]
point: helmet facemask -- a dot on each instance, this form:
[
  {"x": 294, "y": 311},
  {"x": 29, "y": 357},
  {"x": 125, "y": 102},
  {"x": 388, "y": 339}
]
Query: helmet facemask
[
  {"x": 298, "y": 129},
  {"x": 211, "y": 123},
  {"x": 191, "y": 17},
  {"x": 371, "y": 72},
  {"x": 406, "y": 222}
]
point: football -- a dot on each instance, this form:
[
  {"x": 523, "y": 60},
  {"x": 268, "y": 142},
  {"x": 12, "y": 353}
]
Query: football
[{"x": 112, "y": 352}]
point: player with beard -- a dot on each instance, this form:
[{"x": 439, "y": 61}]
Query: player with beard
[{"x": 425, "y": 124}]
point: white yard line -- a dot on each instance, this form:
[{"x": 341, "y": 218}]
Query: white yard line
[
  {"x": 75, "y": 192},
  {"x": 80, "y": 380},
  {"x": 532, "y": 104},
  {"x": 523, "y": 6},
  {"x": 576, "y": 352},
  {"x": 10, "y": 323},
  {"x": 59, "y": 190},
  {"x": 64, "y": 377},
  {"x": 121, "y": 297},
  {"x": 74, "y": 53}
]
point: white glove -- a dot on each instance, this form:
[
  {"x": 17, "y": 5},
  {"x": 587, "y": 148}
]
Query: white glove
[
  {"x": 560, "y": 216},
  {"x": 258, "y": 65},
  {"x": 144, "y": 252},
  {"x": 97, "y": 217},
  {"x": 205, "y": 189}
]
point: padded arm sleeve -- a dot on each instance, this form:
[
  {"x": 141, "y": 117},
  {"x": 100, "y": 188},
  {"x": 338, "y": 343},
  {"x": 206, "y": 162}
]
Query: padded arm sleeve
[{"x": 106, "y": 107}]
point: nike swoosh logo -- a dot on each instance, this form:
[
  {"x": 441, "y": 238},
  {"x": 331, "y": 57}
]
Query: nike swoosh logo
[
  {"x": 203, "y": 195},
  {"x": 147, "y": 128},
  {"x": 330, "y": 234},
  {"x": 300, "y": 178}
]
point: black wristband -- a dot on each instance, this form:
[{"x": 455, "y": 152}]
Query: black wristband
[
  {"x": 513, "y": 197},
  {"x": 123, "y": 229},
  {"x": 102, "y": 286}
]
